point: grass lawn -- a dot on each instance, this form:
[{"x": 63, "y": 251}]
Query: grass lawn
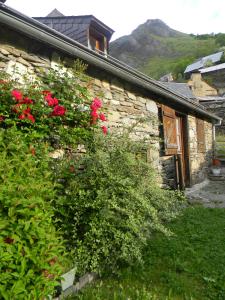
[{"x": 188, "y": 265}]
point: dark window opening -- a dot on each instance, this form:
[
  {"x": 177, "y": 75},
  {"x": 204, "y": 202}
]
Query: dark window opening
[{"x": 97, "y": 41}]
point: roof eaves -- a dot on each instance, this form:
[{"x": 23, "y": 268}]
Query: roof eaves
[{"x": 48, "y": 35}]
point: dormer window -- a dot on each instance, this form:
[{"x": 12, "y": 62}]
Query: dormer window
[
  {"x": 86, "y": 30},
  {"x": 97, "y": 41}
]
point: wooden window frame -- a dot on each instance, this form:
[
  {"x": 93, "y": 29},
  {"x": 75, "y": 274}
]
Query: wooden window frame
[
  {"x": 98, "y": 39},
  {"x": 169, "y": 120},
  {"x": 200, "y": 133}
]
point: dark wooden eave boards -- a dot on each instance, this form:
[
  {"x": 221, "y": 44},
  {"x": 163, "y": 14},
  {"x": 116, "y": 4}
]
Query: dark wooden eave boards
[{"x": 36, "y": 30}]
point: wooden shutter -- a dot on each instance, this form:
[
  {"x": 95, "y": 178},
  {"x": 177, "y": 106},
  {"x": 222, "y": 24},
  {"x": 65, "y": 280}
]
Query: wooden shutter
[
  {"x": 200, "y": 129},
  {"x": 169, "y": 130}
]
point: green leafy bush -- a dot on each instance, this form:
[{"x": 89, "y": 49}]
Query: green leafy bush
[
  {"x": 52, "y": 112},
  {"x": 109, "y": 204},
  {"x": 29, "y": 246}
]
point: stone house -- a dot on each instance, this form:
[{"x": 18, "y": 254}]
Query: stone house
[{"x": 182, "y": 136}]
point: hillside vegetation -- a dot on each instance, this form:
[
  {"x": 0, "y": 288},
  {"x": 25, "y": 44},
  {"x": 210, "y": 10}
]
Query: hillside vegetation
[{"x": 156, "y": 49}]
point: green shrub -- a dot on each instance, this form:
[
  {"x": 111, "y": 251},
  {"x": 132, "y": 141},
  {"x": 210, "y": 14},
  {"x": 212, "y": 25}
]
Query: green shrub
[
  {"x": 29, "y": 246},
  {"x": 110, "y": 203}
]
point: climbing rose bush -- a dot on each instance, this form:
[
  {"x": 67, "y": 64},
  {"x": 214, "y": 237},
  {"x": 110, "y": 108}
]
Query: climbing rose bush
[
  {"x": 57, "y": 110},
  {"x": 54, "y": 112}
]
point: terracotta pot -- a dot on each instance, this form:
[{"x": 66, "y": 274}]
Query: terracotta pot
[{"x": 216, "y": 162}]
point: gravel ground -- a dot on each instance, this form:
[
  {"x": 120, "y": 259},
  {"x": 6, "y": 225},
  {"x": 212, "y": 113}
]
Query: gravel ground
[{"x": 209, "y": 194}]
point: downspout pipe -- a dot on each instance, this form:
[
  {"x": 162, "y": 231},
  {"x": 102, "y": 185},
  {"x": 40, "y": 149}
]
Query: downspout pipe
[{"x": 43, "y": 33}]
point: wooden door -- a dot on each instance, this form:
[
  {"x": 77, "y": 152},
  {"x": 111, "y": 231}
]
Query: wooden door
[
  {"x": 180, "y": 131},
  {"x": 175, "y": 143}
]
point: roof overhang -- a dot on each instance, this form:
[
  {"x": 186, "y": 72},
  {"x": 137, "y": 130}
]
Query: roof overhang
[{"x": 38, "y": 31}]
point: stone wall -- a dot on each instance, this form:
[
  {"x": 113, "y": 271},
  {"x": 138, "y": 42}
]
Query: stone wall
[
  {"x": 199, "y": 87},
  {"x": 199, "y": 161},
  {"x": 126, "y": 104}
]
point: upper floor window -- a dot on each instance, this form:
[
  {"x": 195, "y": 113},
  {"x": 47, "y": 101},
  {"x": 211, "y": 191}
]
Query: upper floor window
[{"x": 97, "y": 41}]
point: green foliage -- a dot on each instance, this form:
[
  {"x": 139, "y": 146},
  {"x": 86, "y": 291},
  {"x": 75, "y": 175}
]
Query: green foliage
[
  {"x": 110, "y": 203},
  {"x": 189, "y": 265},
  {"x": 182, "y": 51},
  {"x": 220, "y": 39},
  {"x": 31, "y": 129},
  {"x": 30, "y": 249}
]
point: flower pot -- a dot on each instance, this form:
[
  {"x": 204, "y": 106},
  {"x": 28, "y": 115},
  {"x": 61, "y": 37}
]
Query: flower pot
[
  {"x": 68, "y": 279},
  {"x": 216, "y": 162}
]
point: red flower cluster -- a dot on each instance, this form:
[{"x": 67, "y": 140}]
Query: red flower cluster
[
  {"x": 26, "y": 113},
  {"x": 95, "y": 106},
  {"x": 58, "y": 110}
]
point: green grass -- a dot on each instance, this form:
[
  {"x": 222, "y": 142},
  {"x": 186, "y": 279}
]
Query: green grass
[
  {"x": 220, "y": 146},
  {"x": 188, "y": 265}
]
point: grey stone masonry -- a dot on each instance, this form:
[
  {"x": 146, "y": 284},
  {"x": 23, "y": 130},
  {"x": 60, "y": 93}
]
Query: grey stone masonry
[{"x": 125, "y": 104}]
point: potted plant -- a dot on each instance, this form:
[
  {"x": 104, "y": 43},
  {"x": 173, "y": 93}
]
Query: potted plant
[{"x": 216, "y": 169}]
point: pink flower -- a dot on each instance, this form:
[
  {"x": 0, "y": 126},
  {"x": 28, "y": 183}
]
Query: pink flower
[
  {"x": 17, "y": 95},
  {"x": 94, "y": 114},
  {"x": 96, "y": 104},
  {"x": 58, "y": 111},
  {"x": 104, "y": 129},
  {"x": 51, "y": 101},
  {"x": 2, "y": 118},
  {"x": 102, "y": 117}
]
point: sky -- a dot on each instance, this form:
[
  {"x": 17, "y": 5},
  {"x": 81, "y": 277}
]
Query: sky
[{"x": 123, "y": 16}]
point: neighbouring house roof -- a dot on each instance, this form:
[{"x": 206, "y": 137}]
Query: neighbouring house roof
[
  {"x": 212, "y": 69},
  {"x": 48, "y": 36},
  {"x": 181, "y": 88},
  {"x": 75, "y": 27},
  {"x": 211, "y": 99},
  {"x": 200, "y": 63}
]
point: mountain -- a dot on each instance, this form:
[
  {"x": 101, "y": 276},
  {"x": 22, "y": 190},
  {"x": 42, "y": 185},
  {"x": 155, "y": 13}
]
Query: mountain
[{"x": 156, "y": 49}]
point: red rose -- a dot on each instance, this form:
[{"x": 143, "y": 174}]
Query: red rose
[
  {"x": 26, "y": 101},
  {"x": 53, "y": 102},
  {"x": 102, "y": 117},
  {"x": 22, "y": 117},
  {"x": 31, "y": 118},
  {"x": 58, "y": 111},
  {"x": 17, "y": 95},
  {"x": 96, "y": 104},
  {"x": 104, "y": 129}
]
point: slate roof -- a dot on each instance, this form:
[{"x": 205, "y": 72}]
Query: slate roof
[
  {"x": 75, "y": 27},
  {"x": 199, "y": 64},
  {"x": 55, "y": 13},
  {"x": 213, "y": 68},
  {"x": 181, "y": 88}
]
